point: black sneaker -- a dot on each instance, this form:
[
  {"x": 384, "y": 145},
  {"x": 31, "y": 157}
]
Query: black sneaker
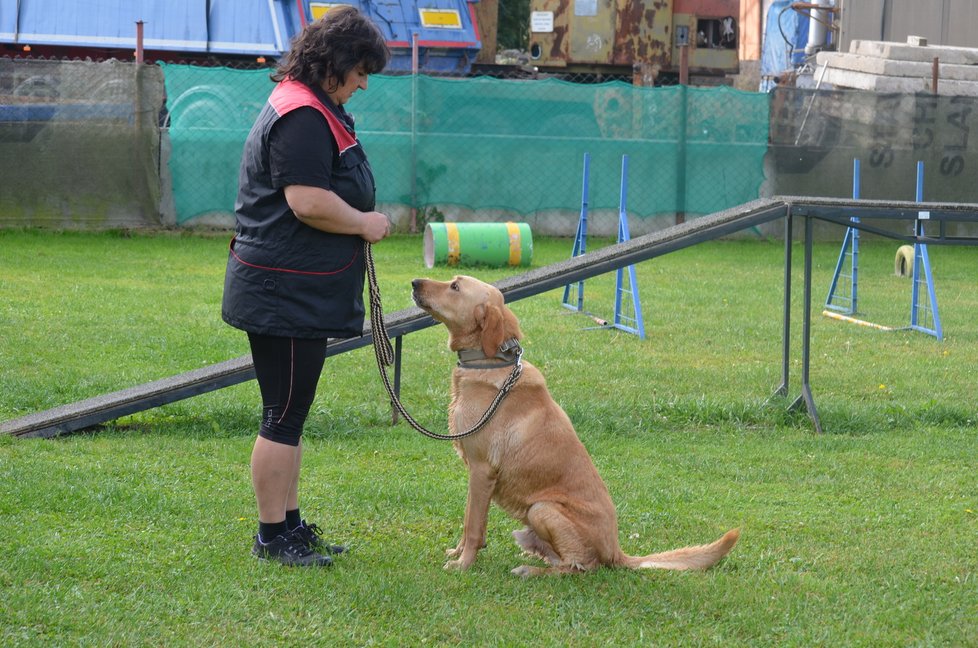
[
  {"x": 289, "y": 549},
  {"x": 310, "y": 536}
]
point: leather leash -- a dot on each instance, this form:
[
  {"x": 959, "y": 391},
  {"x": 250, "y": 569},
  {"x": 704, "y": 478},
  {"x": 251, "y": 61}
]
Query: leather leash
[{"x": 384, "y": 353}]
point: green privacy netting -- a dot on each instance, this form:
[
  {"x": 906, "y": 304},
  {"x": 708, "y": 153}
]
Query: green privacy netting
[{"x": 483, "y": 143}]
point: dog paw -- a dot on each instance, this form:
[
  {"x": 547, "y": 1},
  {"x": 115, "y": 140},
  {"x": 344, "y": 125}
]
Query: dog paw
[
  {"x": 523, "y": 571},
  {"x": 455, "y": 565},
  {"x": 453, "y": 552}
]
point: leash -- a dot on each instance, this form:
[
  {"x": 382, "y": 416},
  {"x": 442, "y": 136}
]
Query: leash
[{"x": 384, "y": 353}]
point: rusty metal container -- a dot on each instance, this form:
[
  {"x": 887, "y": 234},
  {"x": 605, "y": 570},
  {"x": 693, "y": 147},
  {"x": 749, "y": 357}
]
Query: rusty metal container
[{"x": 627, "y": 36}]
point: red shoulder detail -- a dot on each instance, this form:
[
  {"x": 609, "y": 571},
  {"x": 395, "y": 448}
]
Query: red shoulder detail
[{"x": 290, "y": 94}]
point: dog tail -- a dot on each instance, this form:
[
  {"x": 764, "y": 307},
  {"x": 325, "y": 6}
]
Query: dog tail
[{"x": 698, "y": 557}]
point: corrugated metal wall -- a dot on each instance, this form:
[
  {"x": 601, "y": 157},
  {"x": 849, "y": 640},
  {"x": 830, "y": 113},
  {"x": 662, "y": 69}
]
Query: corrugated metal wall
[{"x": 942, "y": 22}]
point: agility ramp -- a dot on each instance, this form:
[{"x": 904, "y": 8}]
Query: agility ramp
[{"x": 100, "y": 409}]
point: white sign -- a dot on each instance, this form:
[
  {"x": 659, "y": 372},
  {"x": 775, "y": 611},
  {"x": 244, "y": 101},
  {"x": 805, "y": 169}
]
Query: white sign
[
  {"x": 542, "y": 22},
  {"x": 585, "y": 7}
]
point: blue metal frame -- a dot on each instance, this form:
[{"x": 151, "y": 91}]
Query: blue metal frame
[
  {"x": 580, "y": 241},
  {"x": 638, "y": 326},
  {"x": 921, "y": 263},
  {"x": 850, "y": 248},
  {"x": 630, "y": 324}
]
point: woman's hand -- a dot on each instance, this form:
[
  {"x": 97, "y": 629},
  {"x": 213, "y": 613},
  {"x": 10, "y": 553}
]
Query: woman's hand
[{"x": 376, "y": 226}]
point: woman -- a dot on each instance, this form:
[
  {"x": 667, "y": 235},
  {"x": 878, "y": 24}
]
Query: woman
[{"x": 306, "y": 203}]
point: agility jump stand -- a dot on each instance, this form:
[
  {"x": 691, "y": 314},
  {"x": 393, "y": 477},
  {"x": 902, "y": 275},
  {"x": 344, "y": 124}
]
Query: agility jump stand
[
  {"x": 921, "y": 265},
  {"x": 838, "y": 299},
  {"x": 840, "y": 305},
  {"x": 634, "y": 323},
  {"x": 580, "y": 242}
]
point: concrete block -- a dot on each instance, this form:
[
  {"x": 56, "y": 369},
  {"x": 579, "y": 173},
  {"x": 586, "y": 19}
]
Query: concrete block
[
  {"x": 904, "y": 52},
  {"x": 884, "y": 83},
  {"x": 891, "y": 67}
]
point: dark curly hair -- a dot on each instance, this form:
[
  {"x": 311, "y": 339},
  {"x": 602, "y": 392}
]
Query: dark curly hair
[{"x": 331, "y": 47}]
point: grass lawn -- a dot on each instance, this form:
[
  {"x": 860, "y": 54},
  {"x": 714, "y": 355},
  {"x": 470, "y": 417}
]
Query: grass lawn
[{"x": 139, "y": 533}]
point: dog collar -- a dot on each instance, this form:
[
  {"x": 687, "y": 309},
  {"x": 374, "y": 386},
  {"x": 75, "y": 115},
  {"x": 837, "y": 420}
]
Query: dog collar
[{"x": 510, "y": 351}]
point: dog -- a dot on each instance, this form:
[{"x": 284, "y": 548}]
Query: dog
[{"x": 528, "y": 458}]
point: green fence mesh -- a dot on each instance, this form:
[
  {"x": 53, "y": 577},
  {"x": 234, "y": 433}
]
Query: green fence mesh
[{"x": 483, "y": 143}]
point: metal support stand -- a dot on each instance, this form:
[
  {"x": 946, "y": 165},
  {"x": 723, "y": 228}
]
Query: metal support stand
[
  {"x": 580, "y": 241},
  {"x": 847, "y": 304},
  {"x": 786, "y": 340},
  {"x": 629, "y": 323},
  {"x": 806, "y": 389},
  {"x": 397, "y": 376},
  {"x": 806, "y": 335},
  {"x": 922, "y": 273}
]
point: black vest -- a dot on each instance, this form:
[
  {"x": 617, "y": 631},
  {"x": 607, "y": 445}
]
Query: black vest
[{"x": 283, "y": 277}]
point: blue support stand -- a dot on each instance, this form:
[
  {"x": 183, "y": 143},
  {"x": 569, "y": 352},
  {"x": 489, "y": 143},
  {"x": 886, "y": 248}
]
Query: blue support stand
[
  {"x": 629, "y": 323},
  {"x": 841, "y": 305},
  {"x": 844, "y": 297},
  {"x": 580, "y": 242},
  {"x": 919, "y": 310}
]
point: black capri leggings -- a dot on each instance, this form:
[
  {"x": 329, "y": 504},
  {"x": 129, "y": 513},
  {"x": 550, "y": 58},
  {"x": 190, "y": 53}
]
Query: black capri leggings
[{"x": 288, "y": 371}]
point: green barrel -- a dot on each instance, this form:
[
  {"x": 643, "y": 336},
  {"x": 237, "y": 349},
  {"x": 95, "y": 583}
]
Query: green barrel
[{"x": 474, "y": 244}]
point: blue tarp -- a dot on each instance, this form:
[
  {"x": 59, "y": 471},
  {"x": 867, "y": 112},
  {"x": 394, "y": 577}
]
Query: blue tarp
[
  {"x": 779, "y": 55},
  {"x": 231, "y": 27},
  {"x": 243, "y": 27}
]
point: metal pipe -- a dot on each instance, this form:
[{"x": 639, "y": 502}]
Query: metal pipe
[
  {"x": 817, "y": 29},
  {"x": 139, "y": 41},
  {"x": 806, "y": 326},
  {"x": 413, "y": 224},
  {"x": 786, "y": 314},
  {"x": 398, "y": 343},
  {"x": 684, "y": 64}
]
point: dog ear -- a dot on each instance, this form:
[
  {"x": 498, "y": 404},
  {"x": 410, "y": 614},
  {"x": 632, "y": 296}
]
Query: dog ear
[
  {"x": 498, "y": 325},
  {"x": 493, "y": 330}
]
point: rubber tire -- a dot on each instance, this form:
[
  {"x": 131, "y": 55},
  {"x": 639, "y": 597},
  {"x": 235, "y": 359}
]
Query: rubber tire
[{"x": 903, "y": 263}]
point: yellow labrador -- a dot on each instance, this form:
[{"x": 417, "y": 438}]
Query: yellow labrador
[{"x": 528, "y": 459}]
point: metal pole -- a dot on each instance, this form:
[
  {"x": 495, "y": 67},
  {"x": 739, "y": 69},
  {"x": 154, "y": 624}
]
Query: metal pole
[
  {"x": 856, "y": 190},
  {"x": 413, "y": 225},
  {"x": 818, "y": 84},
  {"x": 139, "y": 41},
  {"x": 786, "y": 339},
  {"x": 397, "y": 376},
  {"x": 681, "y": 156},
  {"x": 918, "y": 232},
  {"x": 684, "y": 64},
  {"x": 806, "y": 336}
]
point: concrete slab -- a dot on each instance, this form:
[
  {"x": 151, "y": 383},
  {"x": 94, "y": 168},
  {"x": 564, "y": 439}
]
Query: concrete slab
[
  {"x": 903, "y": 52},
  {"x": 884, "y": 83},
  {"x": 895, "y": 68}
]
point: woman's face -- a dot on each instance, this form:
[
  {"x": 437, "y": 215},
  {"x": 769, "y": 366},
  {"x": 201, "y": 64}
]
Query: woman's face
[{"x": 356, "y": 79}]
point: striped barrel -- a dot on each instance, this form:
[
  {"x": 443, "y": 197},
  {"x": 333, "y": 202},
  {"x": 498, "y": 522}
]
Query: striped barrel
[{"x": 475, "y": 244}]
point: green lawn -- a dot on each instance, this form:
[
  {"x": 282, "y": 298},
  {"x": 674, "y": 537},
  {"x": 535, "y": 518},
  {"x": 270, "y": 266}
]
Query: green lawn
[{"x": 139, "y": 533}]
